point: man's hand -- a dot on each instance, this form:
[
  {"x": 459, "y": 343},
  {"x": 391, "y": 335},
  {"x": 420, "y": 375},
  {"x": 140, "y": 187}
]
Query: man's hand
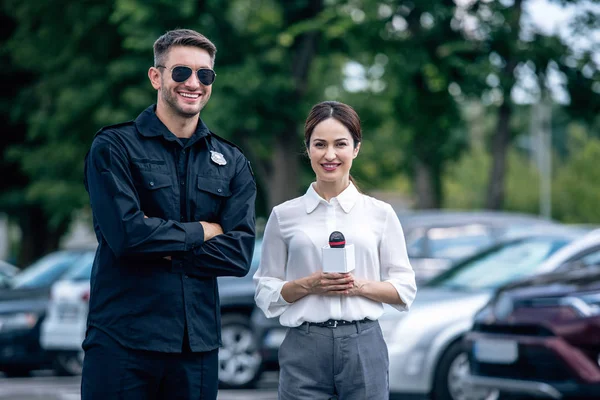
[{"x": 211, "y": 229}]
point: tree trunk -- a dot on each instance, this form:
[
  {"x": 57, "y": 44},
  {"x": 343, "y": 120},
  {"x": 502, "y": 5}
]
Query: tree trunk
[
  {"x": 427, "y": 189},
  {"x": 500, "y": 142},
  {"x": 283, "y": 181},
  {"x": 284, "y": 174},
  {"x": 501, "y": 139}
]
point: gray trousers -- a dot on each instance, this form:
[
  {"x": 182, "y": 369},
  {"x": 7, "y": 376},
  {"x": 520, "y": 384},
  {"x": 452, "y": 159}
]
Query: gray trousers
[{"x": 349, "y": 362}]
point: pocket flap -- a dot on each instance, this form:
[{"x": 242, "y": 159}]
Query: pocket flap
[
  {"x": 156, "y": 181},
  {"x": 219, "y": 187}
]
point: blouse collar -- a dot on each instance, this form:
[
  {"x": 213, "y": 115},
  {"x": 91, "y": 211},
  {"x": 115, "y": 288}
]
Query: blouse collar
[{"x": 347, "y": 199}]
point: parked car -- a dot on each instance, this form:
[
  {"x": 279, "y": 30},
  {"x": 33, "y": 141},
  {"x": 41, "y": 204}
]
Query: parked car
[
  {"x": 424, "y": 357},
  {"x": 240, "y": 363},
  {"x": 436, "y": 239},
  {"x": 23, "y": 308},
  {"x": 7, "y": 271},
  {"x": 540, "y": 337}
]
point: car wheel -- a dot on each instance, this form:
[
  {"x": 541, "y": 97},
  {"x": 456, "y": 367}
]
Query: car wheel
[
  {"x": 68, "y": 363},
  {"x": 450, "y": 382},
  {"x": 240, "y": 362}
]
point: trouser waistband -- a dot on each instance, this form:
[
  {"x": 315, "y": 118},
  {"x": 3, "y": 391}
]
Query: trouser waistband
[{"x": 340, "y": 327}]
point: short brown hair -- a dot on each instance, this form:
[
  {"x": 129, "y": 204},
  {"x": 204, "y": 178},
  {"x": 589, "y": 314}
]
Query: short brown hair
[{"x": 181, "y": 37}]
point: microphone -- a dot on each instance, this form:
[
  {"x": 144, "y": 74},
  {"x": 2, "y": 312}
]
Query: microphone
[
  {"x": 337, "y": 240},
  {"x": 338, "y": 257}
]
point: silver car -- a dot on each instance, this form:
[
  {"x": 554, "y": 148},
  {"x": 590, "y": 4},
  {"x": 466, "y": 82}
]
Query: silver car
[
  {"x": 436, "y": 239},
  {"x": 425, "y": 344}
]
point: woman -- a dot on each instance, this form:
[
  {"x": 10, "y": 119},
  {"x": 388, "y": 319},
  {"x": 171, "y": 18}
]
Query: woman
[{"x": 334, "y": 346}]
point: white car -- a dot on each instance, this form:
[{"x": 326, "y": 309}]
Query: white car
[
  {"x": 63, "y": 329},
  {"x": 425, "y": 345}
]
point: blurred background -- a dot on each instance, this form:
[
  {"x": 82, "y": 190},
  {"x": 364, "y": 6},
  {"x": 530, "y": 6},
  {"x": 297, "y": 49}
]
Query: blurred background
[{"x": 489, "y": 108}]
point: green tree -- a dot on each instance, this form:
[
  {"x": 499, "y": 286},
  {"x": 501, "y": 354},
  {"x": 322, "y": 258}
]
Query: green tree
[
  {"x": 575, "y": 190},
  {"x": 416, "y": 60},
  {"x": 514, "y": 50}
]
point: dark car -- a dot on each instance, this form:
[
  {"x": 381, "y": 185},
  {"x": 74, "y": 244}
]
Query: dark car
[
  {"x": 240, "y": 363},
  {"x": 541, "y": 337},
  {"x": 435, "y": 239},
  {"x": 23, "y": 308}
]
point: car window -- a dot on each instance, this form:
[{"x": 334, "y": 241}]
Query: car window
[
  {"x": 45, "y": 271},
  {"x": 585, "y": 259},
  {"x": 591, "y": 259},
  {"x": 83, "y": 270},
  {"x": 4, "y": 282},
  {"x": 500, "y": 265},
  {"x": 415, "y": 242},
  {"x": 458, "y": 241}
]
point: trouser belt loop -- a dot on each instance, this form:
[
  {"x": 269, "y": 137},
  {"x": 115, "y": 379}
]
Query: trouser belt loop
[{"x": 358, "y": 327}]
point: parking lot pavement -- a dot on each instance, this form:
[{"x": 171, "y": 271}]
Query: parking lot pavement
[{"x": 45, "y": 387}]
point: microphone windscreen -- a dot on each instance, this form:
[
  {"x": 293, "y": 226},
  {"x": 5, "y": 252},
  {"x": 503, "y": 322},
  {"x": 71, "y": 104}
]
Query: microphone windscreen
[{"x": 337, "y": 240}]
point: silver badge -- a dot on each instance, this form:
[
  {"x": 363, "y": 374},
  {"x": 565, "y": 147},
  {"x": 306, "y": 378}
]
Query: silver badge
[{"x": 217, "y": 158}]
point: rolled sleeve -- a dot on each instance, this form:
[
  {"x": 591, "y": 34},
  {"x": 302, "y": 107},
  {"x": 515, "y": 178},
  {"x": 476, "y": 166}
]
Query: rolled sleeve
[
  {"x": 270, "y": 276},
  {"x": 395, "y": 265}
]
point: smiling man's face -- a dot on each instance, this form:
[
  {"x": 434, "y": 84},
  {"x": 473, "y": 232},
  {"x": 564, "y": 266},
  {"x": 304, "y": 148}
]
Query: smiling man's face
[{"x": 188, "y": 98}]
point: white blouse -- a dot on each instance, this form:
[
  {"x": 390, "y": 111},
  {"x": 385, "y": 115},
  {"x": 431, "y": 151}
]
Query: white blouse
[{"x": 294, "y": 236}]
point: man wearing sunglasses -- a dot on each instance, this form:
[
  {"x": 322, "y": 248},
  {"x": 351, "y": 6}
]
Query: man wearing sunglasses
[{"x": 173, "y": 209}]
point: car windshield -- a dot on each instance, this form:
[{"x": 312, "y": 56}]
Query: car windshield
[
  {"x": 45, "y": 271},
  {"x": 499, "y": 265},
  {"x": 83, "y": 271}
]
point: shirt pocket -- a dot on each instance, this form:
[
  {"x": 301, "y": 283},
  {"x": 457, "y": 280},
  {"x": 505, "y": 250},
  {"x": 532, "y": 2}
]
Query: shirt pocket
[
  {"x": 156, "y": 194},
  {"x": 211, "y": 194}
]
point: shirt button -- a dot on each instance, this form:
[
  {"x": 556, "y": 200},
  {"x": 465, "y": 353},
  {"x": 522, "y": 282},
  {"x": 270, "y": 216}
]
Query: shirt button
[
  {"x": 151, "y": 183},
  {"x": 182, "y": 183},
  {"x": 183, "y": 151},
  {"x": 219, "y": 190}
]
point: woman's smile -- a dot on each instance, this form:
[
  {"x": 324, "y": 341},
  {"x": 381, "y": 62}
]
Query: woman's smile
[{"x": 330, "y": 166}]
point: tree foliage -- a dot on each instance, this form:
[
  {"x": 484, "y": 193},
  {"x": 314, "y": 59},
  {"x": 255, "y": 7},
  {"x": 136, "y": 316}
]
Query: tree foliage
[{"x": 410, "y": 69}]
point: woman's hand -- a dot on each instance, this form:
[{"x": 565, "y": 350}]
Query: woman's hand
[
  {"x": 327, "y": 283},
  {"x": 356, "y": 288},
  {"x": 322, "y": 283}
]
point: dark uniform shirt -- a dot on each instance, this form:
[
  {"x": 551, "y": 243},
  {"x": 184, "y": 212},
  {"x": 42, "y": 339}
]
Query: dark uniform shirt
[{"x": 140, "y": 169}]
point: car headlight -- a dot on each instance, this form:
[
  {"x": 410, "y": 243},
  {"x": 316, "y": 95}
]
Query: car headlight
[{"x": 13, "y": 322}]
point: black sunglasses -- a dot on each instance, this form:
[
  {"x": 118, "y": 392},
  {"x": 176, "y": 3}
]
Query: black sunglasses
[{"x": 182, "y": 73}]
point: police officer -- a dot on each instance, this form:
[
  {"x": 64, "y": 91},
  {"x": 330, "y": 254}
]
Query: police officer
[{"x": 173, "y": 208}]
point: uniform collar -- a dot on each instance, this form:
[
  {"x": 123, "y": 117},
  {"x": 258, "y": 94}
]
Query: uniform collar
[
  {"x": 149, "y": 125},
  {"x": 347, "y": 199}
]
